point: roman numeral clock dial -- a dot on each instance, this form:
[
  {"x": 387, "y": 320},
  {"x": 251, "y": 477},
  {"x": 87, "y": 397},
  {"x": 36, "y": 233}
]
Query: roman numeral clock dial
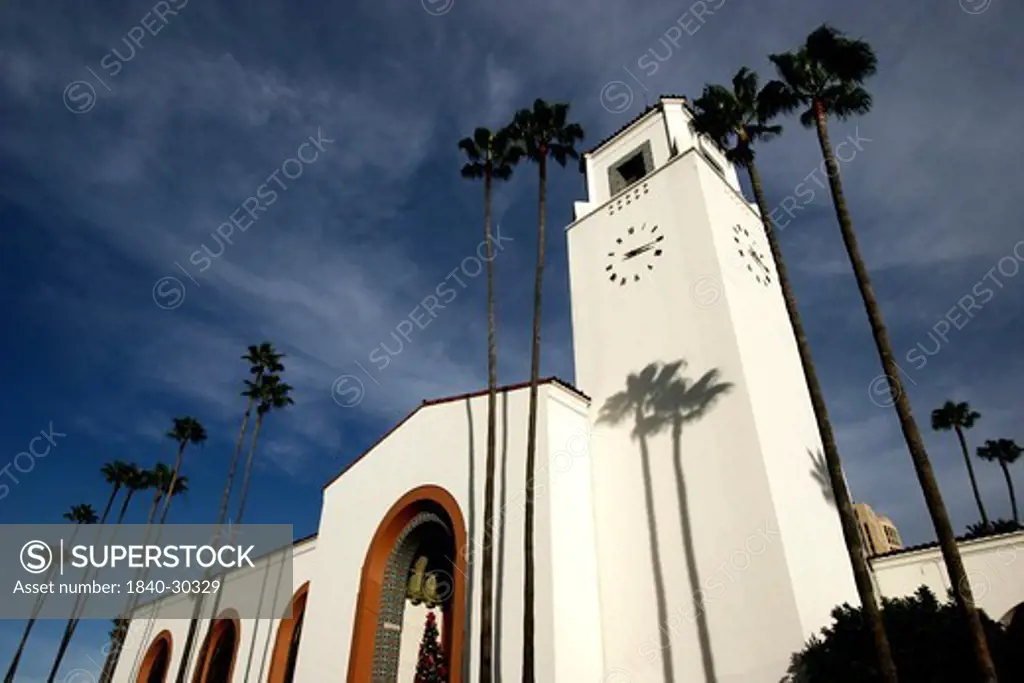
[{"x": 635, "y": 253}]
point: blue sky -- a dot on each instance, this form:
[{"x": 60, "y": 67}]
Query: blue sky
[{"x": 97, "y": 206}]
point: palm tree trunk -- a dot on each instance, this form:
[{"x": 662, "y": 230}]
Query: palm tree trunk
[
  {"x": 222, "y": 514},
  {"x": 844, "y": 505},
  {"x": 124, "y": 506},
  {"x": 78, "y": 608},
  {"x": 79, "y": 605},
  {"x": 110, "y": 501},
  {"x": 36, "y": 609},
  {"x": 531, "y": 439},
  {"x": 915, "y": 443},
  {"x": 183, "y": 665},
  {"x": 167, "y": 508},
  {"x": 116, "y": 639},
  {"x": 226, "y": 496},
  {"x": 174, "y": 475},
  {"x": 153, "y": 508},
  {"x": 970, "y": 473},
  {"x": 13, "y": 668},
  {"x": 118, "y": 636},
  {"x": 115, "y": 652},
  {"x": 62, "y": 649},
  {"x": 248, "y": 469},
  {"x": 1009, "y": 486},
  {"x": 487, "y": 571}
]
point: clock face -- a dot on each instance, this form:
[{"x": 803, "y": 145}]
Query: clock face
[
  {"x": 634, "y": 254},
  {"x": 752, "y": 257}
]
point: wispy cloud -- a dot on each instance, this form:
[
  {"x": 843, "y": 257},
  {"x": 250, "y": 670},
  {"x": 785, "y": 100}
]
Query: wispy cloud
[{"x": 204, "y": 111}]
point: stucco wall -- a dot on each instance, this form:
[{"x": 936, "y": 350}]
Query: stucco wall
[
  {"x": 765, "y": 545},
  {"x": 740, "y": 563},
  {"x": 995, "y": 569},
  {"x": 440, "y": 445},
  {"x": 256, "y": 638},
  {"x": 773, "y": 377}
]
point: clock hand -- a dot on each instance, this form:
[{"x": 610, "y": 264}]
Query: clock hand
[{"x": 639, "y": 250}]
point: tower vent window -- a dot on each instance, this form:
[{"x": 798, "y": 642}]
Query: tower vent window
[{"x": 632, "y": 168}]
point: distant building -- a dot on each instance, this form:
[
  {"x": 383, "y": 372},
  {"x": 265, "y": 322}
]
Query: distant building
[{"x": 879, "y": 533}]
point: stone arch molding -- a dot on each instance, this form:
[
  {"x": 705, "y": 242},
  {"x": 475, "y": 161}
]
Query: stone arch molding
[{"x": 424, "y": 520}]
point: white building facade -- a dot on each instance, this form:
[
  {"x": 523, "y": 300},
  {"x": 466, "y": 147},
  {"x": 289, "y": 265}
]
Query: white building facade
[{"x": 680, "y": 532}]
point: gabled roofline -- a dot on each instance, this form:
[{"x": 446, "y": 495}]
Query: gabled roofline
[{"x": 448, "y": 399}]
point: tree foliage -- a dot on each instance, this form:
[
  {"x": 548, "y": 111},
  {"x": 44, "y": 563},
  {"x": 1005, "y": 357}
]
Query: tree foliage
[
  {"x": 431, "y": 666},
  {"x": 927, "y": 639}
]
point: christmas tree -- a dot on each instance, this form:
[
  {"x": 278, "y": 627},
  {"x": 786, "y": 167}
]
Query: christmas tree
[{"x": 430, "y": 668}]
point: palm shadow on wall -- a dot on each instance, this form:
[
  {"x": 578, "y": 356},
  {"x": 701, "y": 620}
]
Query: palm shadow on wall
[
  {"x": 819, "y": 473},
  {"x": 657, "y": 399}
]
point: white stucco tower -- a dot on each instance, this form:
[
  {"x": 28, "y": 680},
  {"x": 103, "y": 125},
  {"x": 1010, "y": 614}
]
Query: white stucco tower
[{"x": 668, "y": 263}]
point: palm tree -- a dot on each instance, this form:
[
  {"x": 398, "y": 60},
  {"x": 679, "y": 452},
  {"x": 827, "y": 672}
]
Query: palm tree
[
  {"x": 1005, "y": 452},
  {"x": 958, "y": 417},
  {"x": 491, "y": 156},
  {"x": 115, "y": 473},
  {"x": 134, "y": 480},
  {"x": 81, "y": 514},
  {"x": 737, "y": 119},
  {"x": 186, "y": 430},
  {"x": 273, "y": 395},
  {"x": 159, "y": 479},
  {"x": 541, "y": 132},
  {"x": 824, "y": 79},
  {"x": 263, "y": 360},
  {"x": 180, "y": 488},
  {"x": 78, "y": 514}
]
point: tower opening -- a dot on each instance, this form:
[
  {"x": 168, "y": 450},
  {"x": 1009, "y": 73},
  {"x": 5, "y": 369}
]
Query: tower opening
[{"x": 631, "y": 169}]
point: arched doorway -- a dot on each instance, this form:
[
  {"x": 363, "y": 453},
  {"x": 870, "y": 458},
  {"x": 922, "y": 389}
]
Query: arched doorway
[
  {"x": 157, "y": 660},
  {"x": 423, "y": 535},
  {"x": 217, "y": 656},
  {"x": 286, "y": 645}
]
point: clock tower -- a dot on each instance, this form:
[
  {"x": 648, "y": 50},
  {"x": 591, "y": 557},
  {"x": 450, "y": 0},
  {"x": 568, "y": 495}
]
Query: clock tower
[{"x": 719, "y": 550}]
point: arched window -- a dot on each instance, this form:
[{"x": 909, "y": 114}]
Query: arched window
[
  {"x": 157, "y": 660},
  {"x": 286, "y": 645},
  {"x": 217, "y": 656}
]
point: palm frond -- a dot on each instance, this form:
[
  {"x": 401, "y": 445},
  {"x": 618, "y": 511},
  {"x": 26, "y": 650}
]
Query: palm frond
[
  {"x": 845, "y": 59},
  {"x": 472, "y": 171},
  {"x": 777, "y": 97},
  {"x": 471, "y": 149},
  {"x": 848, "y": 101}
]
